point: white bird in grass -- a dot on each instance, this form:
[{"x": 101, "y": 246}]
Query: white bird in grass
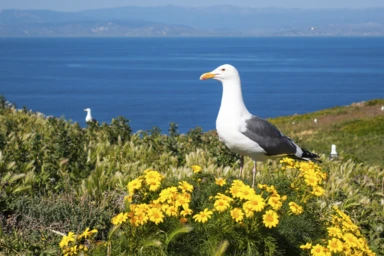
[
  {"x": 244, "y": 133},
  {"x": 89, "y": 118},
  {"x": 333, "y": 152}
]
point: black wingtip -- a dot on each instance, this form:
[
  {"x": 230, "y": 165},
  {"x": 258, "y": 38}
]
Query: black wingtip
[{"x": 310, "y": 156}]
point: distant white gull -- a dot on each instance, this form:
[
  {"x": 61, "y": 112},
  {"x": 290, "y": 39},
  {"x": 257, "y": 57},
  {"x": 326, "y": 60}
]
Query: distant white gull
[
  {"x": 89, "y": 118},
  {"x": 244, "y": 133},
  {"x": 333, "y": 152}
]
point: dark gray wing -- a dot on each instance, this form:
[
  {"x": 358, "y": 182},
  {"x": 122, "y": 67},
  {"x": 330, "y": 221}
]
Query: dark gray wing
[{"x": 269, "y": 137}]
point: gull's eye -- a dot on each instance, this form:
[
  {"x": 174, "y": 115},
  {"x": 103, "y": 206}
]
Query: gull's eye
[{"x": 223, "y": 69}]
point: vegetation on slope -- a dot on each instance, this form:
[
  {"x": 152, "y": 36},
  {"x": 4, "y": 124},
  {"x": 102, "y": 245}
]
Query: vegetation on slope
[
  {"x": 56, "y": 177},
  {"x": 357, "y": 131}
]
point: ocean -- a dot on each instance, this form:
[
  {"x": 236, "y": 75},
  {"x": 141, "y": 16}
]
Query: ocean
[{"x": 155, "y": 81}]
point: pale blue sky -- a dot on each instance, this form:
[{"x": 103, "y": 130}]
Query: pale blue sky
[{"x": 74, "y": 5}]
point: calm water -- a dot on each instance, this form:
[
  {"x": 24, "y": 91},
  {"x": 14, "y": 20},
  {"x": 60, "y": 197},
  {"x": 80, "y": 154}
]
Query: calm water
[{"x": 154, "y": 81}]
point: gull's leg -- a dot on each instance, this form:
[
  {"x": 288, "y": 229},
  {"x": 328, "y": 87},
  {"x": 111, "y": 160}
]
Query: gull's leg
[
  {"x": 241, "y": 166},
  {"x": 253, "y": 174}
]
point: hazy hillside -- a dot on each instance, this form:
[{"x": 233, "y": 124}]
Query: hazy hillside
[
  {"x": 96, "y": 28},
  {"x": 242, "y": 18},
  {"x": 192, "y": 21}
]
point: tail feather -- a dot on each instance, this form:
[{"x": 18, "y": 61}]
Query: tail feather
[
  {"x": 306, "y": 156},
  {"x": 309, "y": 156}
]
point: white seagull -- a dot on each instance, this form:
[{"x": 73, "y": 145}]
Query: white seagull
[
  {"x": 244, "y": 133},
  {"x": 333, "y": 152},
  {"x": 89, "y": 118}
]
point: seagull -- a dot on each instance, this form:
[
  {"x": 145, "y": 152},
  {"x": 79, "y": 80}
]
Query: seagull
[
  {"x": 244, "y": 133},
  {"x": 89, "y": 118},
  {"x": 333, "y": 152}
]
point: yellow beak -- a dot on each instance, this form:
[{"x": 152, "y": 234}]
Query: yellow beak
[{"x": 206, "y": 76}]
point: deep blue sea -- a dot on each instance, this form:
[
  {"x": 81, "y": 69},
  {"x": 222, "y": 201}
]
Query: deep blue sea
[{"x": 155, "y": 81}]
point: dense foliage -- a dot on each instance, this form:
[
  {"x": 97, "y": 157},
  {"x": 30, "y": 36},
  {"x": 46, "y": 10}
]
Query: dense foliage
[{"x": 57, "y": 177}]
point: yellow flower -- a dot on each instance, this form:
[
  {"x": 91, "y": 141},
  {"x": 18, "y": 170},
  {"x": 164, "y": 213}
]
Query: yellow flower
[
  {"x": 306, "y": 166},
  {"x": 275, "y": 202},
  {"x": 318, "y": 250},
  {"x": 140, "y": 218},
  {"x": 196, "y": 168},
  {"x": 288, "y": 161},
  {"x": 349, "y": 226},
  {"x": 140, "y": 208},
  {"x": 185, "y": 186},
  {"x": 318, "y": 191},
  {"x": 238, "y": 183},
  {"x": 155, "y": 215},
  {"x": 220, "y": 181},
  {"x": 270, "y": 219},
  {"x": 246, "y": 192},
  {"x": 182, "y": 200},
  {"x": 168, "y": 193},
  {"x": 120, "y": 218},
  {"x": 134, "y": 185},
  {"x": 350, "y": 239},
  {"x": 221, "y": 205},
  {"x": 203, "y": 216},
  {"x": 224, "y": 197},
  {"x": 154, "y": 185},
  {"x": 272, "y": 190},
  {"x": 186, "y": 212},
  {"x": 66, "y": 239},
  {"x": 306, "y": 246},
  {"x": 262, "y": 186},
  {"x": 237, "y": 189},
  {"x": 248, "y": 211},
  {"x": 334, "y": 231},
  {"x": 237, "y": 214},
  {"x": 87, "y": 233},
  {"x": 335, "y": 245},
  {"x": 171, "y": 211},
  {"x": 73, "y": 250},
  {"x": 152, "y": 176},
  {"x": 311, "y": 180},
  {"x": 255, "y": 203},
  {"x": 295, "y": 208},
  {"x": 83, "y": 248}
]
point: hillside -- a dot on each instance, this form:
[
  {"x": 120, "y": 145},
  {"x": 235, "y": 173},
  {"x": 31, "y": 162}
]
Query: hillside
[
  {"x": 357, "y": 131},
  {"x": 171, "y": 20},
  {"x": 104, "y": 190}
]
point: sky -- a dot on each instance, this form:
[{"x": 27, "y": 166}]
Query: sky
[{"x": 76, "y": 5}]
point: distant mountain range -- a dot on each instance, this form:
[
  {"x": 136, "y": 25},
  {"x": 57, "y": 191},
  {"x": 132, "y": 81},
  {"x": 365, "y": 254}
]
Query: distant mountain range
[{"x": 193, "y": 21}]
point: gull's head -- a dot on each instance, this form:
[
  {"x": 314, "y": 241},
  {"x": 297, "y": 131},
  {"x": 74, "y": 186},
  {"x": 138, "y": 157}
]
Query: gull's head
[
  {"x": 222, "y": 73},
  {"x": 87, "y": 109}
]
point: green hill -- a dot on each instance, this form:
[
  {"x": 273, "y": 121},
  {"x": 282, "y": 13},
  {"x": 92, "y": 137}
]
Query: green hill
[{"x": 357, "y": 131}]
